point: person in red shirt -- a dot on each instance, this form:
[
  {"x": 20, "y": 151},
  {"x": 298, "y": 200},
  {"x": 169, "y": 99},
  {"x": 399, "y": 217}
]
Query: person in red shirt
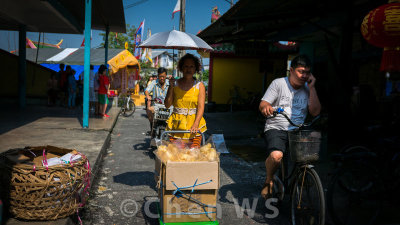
[{"x": 104, "y": 85}]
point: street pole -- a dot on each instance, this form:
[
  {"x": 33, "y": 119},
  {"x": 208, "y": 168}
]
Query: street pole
[
  {"x": 182, "y": 24},
  {"x": 22, "y": 66},
  {"x": 86, "y": 66},
  {"x": 106, "y": 45},
  {"x": 182, "y": 16}
]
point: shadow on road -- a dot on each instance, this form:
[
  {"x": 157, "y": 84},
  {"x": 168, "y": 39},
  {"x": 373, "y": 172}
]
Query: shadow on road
[
  {"x": 243, "y": 191},
  {"x": 136, "y": 179},
  {"x": 143, "y": 145}
]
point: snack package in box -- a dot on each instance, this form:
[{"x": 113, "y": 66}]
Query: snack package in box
[{"x": 175, "y": 153}]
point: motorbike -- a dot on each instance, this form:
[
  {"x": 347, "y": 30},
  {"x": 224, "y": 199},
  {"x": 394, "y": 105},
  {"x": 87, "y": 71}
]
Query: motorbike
[{"x": 161, "y": 115}]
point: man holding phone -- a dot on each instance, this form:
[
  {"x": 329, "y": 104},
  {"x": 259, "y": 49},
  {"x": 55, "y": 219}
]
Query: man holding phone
[{"x": 296, "y": 94}]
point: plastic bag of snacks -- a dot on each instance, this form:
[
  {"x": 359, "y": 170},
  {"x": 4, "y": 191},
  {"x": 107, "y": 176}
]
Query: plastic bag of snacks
[{"x": 172, "y": 152}]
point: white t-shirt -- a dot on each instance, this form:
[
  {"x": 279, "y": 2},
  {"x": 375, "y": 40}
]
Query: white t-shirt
[
  {"x": 294, "y": 102},
  {"x": 91, "y": 77},
  {"x": 96, "y": 82}
]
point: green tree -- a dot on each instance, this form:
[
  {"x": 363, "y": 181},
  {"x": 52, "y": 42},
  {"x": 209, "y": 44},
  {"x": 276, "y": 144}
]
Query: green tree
[
  {"x": 205, "y": 75},
  {"x": 145, "y": 65},
  {"x": 117, "y": 40}
]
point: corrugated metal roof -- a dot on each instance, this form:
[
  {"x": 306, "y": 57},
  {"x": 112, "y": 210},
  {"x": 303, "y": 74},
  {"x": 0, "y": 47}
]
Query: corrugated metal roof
[
  {"x": 276, "y": 20},
  {"x": 61, "y": 16},
  {"x": 44, "y": 54},
  {"x": 76, "y": 58},
  {"x": 96, "y": 56}
]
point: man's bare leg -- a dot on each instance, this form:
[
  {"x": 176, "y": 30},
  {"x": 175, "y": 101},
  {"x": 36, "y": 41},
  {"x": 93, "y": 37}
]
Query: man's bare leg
[
  {"x": 150, "y": 115},
  {"x": 271, "y": 164},
  {"x": 97, "y": 108}
]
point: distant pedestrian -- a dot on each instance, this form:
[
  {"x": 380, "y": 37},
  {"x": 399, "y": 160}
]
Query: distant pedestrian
[
  {"x": 63, "y": 84},
  {"x": 72, "y": 89},
  {"x": 52, "y": 90},
  {"x": 104, "y": 85},
  {"x": 96, "y": 84},
  {"x": 92, "y": 95},
  {"x": 58, "y": 75}
]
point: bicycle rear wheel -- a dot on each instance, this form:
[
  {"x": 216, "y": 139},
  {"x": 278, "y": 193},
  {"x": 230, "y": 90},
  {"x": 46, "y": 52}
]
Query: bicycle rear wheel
[
  {"x": 353, "y": 196},
  {"x": 308, "y": 201},
  {"x": 130, "y": 108}
]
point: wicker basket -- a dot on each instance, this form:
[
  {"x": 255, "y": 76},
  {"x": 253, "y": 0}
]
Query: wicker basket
[
  {"x": 40, "y": 193},
  {"x": 304, "y": 146}
]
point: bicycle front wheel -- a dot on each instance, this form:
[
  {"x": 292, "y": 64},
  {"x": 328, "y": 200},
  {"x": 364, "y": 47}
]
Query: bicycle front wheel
[
  {"x": 307, "y": 196},
  {"x": 130, "y": 108}
]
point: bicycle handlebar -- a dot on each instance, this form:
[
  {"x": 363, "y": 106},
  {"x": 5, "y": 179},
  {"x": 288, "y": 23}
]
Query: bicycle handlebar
[
  {"x": 300, "y": 126},
  {"x": 158, "y": 100},
  {"x": 164, "y": 134}
]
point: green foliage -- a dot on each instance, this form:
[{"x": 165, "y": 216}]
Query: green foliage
[
  {"x": 118, "y": 40},
  {"x": 145, "y": 65},
  {"x": 205, "y": 75}
]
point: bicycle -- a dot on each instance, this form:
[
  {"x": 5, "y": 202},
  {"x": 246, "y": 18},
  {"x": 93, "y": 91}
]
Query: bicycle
[
  {"x": 235, "y": 102},
  {"x": 363, "y": 181},
  {"x": 306, "y": 191},
  {"x": 128, "y": 106}
]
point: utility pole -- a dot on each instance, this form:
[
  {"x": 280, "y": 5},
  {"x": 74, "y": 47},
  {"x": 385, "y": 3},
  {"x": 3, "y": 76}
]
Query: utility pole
[
  {"x": 182, "y": 23},
  {"x": 182, "y": 16}
]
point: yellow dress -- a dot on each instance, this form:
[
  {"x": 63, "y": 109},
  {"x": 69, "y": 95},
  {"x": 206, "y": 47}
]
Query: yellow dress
[{"x": 184, "y": 112}]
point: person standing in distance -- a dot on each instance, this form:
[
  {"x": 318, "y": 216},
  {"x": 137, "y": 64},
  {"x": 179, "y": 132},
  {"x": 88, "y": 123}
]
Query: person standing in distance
[
  {"x": 104, "y": 86},
  {"x": 296, "y": 94}
]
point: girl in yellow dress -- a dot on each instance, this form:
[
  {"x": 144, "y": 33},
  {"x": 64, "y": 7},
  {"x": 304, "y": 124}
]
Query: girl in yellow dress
[{"x": 188, "y": 98}]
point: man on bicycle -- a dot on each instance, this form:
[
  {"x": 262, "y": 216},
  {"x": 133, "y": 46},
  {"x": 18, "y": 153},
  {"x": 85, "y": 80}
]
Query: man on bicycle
[
  {"x": 159, "y": 89},
  {"x": 296, "y": 94}
]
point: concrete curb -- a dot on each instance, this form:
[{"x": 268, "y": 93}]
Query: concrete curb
[
  {"x": 106, "y": 144},
  {"x": 96, "y": 166}
]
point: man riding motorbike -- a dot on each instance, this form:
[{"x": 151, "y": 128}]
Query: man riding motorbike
[{"x": 159, "y": 89}]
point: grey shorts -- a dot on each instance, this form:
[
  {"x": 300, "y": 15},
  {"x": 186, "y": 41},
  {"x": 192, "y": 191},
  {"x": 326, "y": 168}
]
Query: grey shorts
[{"x": 276, "y": 140}]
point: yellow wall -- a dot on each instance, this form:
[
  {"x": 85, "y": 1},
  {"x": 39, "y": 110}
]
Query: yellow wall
[
  {"x": 36, "y": 78},
  {"x": 242, "y": 72}
]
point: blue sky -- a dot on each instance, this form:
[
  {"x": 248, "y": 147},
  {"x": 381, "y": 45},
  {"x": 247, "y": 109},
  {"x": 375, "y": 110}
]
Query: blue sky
[{"x": 157, "y": 14}]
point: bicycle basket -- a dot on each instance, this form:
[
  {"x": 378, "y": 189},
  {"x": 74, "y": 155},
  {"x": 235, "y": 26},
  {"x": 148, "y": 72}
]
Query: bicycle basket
[{"x": 304, "y": 145}]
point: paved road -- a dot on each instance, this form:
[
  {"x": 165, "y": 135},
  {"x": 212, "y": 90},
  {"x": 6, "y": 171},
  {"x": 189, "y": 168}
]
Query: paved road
[{"x": 127, "y": 179}]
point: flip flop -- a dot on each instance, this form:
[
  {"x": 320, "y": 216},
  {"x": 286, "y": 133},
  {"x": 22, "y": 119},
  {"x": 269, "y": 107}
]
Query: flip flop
[{"x": 266, "y": 191}]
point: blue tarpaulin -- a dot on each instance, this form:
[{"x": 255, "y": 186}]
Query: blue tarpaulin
[{"x": 77, "y": 68}]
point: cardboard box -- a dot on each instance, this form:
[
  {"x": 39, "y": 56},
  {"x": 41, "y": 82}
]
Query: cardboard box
[{"x": 188, "y": 204}]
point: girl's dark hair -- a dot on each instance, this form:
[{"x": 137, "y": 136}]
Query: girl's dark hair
[
  {"x": 101, "y": 69},
  {"x": 192, "y": 57}
]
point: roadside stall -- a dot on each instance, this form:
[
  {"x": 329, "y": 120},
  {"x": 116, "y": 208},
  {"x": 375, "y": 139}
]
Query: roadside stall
[
  {"x": 124, "y": 72},
  {"x": 124, "y": 76}
]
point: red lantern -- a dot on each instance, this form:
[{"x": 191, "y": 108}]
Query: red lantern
[{"x": 381, "y": 28}]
